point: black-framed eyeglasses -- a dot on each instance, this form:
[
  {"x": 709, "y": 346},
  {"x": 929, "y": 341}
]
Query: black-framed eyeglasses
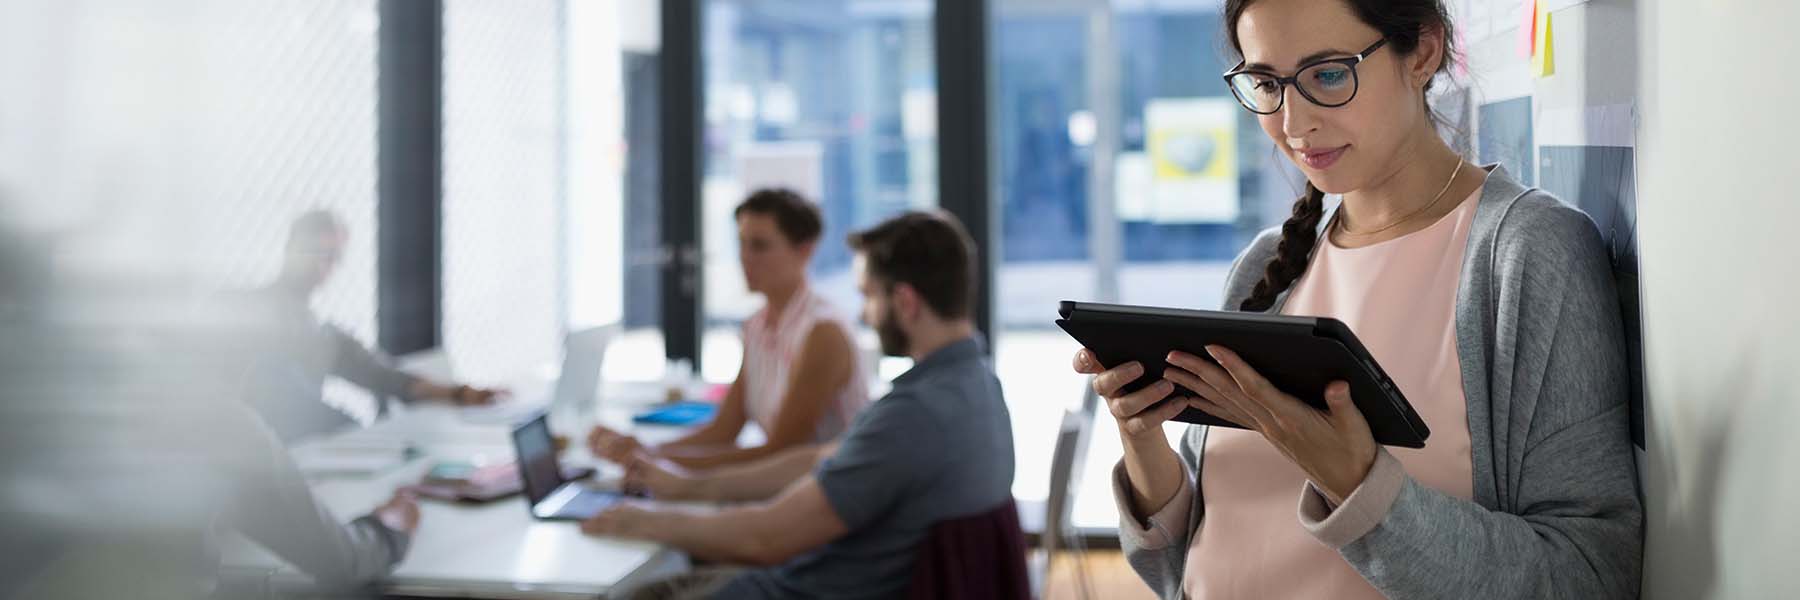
[{"x": 1329, "y": 82}]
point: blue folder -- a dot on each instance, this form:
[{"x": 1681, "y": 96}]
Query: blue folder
[{"x": 679, "y": 413}]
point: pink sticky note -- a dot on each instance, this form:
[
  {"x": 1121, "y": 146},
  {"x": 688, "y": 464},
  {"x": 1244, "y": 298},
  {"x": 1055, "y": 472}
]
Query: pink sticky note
[
  {"x": 1460, "y": 68},
  {"x": 1527, "y": 28}
]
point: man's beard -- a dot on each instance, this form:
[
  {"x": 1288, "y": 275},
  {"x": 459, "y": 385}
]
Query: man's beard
[{"x": 893, "y": 339}]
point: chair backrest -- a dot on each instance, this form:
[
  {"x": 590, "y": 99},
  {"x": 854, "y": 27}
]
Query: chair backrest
[
  {"x": 1066, "y": 462},
  {"x": 981, "y": 556}
]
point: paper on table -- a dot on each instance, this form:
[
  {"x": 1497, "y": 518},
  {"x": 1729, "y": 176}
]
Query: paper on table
[
  {"x": 507, "y": 412},
  {"x": 361, "y": 457}
]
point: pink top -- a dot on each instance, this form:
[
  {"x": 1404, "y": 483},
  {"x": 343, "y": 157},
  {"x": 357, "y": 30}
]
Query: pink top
[
  {"x": 1399, "y": 297},
  {"x": 772, "y": 345}
]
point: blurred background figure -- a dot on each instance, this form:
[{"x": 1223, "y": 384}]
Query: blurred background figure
[
  {"x": 127, "y": 449},
  {"x": 297, "y": 350}
]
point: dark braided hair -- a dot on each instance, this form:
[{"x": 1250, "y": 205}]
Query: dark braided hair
[
  {"x": 1402, "y": 23},
  {"x": 1298, "y": 236}
]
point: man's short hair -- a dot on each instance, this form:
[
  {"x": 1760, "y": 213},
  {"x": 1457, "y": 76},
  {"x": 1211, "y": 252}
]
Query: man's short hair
[
  {"x": 312, "y": 225},
  {"x": 797, "y": 218},
  {"x": 929, "y": 251}
]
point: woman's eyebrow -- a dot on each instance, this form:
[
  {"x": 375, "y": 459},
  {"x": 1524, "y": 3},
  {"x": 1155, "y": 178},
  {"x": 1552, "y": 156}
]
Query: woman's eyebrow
[{"x": 1322, "y": 54}]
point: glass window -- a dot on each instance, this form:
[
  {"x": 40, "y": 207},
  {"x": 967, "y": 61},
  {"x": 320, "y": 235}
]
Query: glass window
[
  {"x": 836, "y": 100},
  {"x": 638, "y": 354},
  {"x": 1127, "y": 174}
]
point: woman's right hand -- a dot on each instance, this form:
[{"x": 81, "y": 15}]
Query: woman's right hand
[
  {"x": 1137, "y": 412},
  {"x": 1152, "y": 468},
  {"x": 613, "y": 446}
]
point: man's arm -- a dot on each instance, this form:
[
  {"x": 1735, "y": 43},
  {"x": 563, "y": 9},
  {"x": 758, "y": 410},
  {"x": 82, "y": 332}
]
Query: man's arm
[
  {"x": 757, "y": 480},
  {"x": 273, "y": 506},
  {"x": 765, "y": 478},
  {"x": 879, "y": 463},
  {"x": 375, "y": 372},
  {"x": 763, "y": 534}
]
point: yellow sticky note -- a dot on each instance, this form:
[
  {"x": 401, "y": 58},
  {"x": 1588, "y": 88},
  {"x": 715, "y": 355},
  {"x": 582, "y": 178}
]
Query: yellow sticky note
[{"x": 1543, "y": 61}]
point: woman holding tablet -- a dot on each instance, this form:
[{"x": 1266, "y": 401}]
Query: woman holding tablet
[{"x": 1490, "y": 305}]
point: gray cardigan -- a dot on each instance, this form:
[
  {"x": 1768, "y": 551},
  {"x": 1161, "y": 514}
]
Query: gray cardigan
[{"x": 1555, "y": 512}]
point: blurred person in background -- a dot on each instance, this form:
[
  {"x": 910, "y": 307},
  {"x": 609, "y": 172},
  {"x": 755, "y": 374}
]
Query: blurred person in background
[
  {"x": 300, "y": 350},
  {"x": 127, "y": 449}
]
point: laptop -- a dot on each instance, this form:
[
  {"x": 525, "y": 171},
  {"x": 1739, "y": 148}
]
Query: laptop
[
  {"x": 547, "y": 493},
  {"x": 576, "y": 385},
  {"x": 583, "y": 352}
]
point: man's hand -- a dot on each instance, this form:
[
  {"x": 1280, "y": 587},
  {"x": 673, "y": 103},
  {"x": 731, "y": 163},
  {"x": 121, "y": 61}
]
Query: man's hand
[
  {"x": 625, "y": 519},
  {"x": 660, "y": 479},
  {"x": 400, "y": 513},
  {"x": 474, "y": 396}
]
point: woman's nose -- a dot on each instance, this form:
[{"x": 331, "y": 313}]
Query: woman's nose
[{"x": 1297, "y": 114}]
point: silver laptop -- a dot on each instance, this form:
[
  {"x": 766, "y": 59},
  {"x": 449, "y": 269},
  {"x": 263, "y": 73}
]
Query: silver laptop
[
  {"x": 546, "y": 492},
  {"x": 583, "y": 352},
  {"x": 573, "y": 395}
]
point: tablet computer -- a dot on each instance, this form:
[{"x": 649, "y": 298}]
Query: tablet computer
[{"x": 1300, "y": 355}]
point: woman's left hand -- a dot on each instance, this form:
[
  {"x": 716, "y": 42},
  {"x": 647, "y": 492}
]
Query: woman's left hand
[{"x": 1334, "y": 448}]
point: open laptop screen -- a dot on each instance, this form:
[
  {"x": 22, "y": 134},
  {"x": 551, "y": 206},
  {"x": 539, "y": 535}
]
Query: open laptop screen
[{"x": 537, "y": 458}]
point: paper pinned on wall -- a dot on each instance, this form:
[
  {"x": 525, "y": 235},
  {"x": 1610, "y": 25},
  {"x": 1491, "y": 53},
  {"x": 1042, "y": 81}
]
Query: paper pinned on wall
[
  {"x": 1605, "y": 125},
  {"x": 1528, "y": 19},
  {"x": 1504, "y": 135},
  {"x": 1134, "y": 186},
  {"x": 1543, "y": 60},
  {"x": 1470, "y": 18},
  {"x": 1192, "y": 145}
]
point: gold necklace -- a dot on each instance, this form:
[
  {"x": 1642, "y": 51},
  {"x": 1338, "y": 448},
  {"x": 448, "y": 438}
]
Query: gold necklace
[{"x": 1440, "y": 196}]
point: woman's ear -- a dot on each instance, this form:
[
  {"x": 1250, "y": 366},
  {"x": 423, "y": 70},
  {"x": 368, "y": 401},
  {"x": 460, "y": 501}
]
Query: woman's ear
[{"x": 1425, "y": 60}]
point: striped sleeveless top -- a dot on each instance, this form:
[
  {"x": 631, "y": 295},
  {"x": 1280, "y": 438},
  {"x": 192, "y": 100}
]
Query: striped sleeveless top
[{"x": 771, "y": 347}]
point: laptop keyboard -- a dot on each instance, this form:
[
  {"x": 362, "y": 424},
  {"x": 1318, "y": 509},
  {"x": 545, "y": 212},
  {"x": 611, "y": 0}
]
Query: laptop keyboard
[{"x": 588, "y": 504}]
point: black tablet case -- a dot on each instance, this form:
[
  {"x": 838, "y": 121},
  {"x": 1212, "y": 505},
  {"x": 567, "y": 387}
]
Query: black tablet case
[{"x": 1300, "y": 355}]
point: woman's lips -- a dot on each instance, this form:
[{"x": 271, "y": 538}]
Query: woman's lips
[{"x": 1322, "y": 159}]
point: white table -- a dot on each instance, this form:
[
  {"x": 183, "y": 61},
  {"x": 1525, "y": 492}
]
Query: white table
[{"x": 484, "y": 550}]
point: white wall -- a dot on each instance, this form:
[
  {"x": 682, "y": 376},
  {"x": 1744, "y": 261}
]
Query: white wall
[
  {"x": 1720, "y": 289},
  {"x": 1719, "y": 281}
]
